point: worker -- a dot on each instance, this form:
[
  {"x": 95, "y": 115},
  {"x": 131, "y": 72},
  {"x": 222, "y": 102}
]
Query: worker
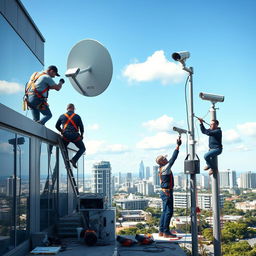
[
  {"x": 37, "y": 93},
  {"x": 215, "y": 144},
  {"x": 72, "y": 130},
  {"x": 166, "y": 193}
]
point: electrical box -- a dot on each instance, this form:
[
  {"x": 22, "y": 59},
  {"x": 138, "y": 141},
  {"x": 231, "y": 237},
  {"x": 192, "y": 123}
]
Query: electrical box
[
  {"x": 192, "y": 166},
  {"x": 102, "y": 221}
]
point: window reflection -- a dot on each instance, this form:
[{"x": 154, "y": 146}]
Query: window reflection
[
  {"x": 48, "y": 185},
  {"x": 63, "y": 188},
  {"x": 14, "y": 189}
]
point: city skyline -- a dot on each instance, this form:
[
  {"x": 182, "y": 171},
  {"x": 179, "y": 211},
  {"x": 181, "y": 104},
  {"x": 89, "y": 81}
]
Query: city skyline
[{"x": 133, "y": 119}]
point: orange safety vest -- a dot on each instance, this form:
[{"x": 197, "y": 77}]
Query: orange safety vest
[{"x": 70, "y": 120}]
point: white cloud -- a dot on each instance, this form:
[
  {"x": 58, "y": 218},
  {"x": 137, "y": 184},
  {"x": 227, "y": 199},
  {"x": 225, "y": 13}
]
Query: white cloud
[
  {"x": 10, "y": 87},
  {"x": 159, "y": 141},
  {"x": 100, "y": 146},
  {"x": 156, "y": 67},
  {"x": 231, "y": 136},
  {"x": 93, "y": 127},
  {"x": 163, "y": 123},
  {"x": 116, "y": 148},
  {"x": 248, "y": 128},
  {"x": 239, "y": 148}
]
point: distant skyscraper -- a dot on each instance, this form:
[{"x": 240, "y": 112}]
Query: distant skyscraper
[
  {"x": 228, "y": 179},
  {"x": 147, "y": 172},
  {"x": 247, "y": 180},
  {"x": 128, "y": 177},
  {"x": 101, "y": 172},
  {"x": 204, "y": 181},
  {"x": 10, "y": 186},
  {"x": 141, "y": 171},
  {"x": 119, "y": 178},
  {"x": 156, "y": 178},
  {"x": 177, "y": 181}
]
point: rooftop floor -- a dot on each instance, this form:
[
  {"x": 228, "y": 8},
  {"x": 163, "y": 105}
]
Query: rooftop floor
[{"x": 163, "y": 247}]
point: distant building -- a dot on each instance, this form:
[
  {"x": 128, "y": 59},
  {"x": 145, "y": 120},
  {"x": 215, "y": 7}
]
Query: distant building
[
  {"x": 248, "y": 180},
  {"x": 204, "y": 181},
  {"x": 135, "y": 215},
  {"x": 156, "y": 178},
  {"x": 228, "y": 179},
  {"x": 132, "y": 203},
  {"x": 177, "y": 181},
  {"x": 224, "y": 219},
  {"x": 204, "y": 200},
  {"x": 101, "y": 172},
  {"x": 246, "y": 206},
  {"x": 128, "y": 177},
  {"x": 141, "y": 171},
  {"x": 147, "y": 172},
  {"x": 145, "y": 188}
]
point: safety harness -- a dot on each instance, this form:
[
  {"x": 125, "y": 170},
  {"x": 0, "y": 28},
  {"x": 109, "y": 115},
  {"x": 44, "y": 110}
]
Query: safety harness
[
  {"x": 166, "y": 190},
  {"x": 31, "y": 90},
  {"x": 70, "y": 120}
]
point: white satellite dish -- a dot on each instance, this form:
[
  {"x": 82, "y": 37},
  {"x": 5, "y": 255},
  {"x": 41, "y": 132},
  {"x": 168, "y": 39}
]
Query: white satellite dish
[{"x": 89, "y": 67}]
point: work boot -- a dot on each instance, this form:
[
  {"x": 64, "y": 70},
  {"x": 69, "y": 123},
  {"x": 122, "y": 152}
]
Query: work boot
[
  {"x": 160, "y": 234},
  {"x": 206, "y": 168},
  {"x": 73, "y": 163},
  {"x": 169, "y": 235}
]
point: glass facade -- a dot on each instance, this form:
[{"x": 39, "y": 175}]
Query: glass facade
[
  {"x": 14, "y": 189},
  {"x": 17, "y": 64}
]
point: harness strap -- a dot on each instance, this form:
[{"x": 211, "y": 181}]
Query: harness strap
[
  {"x": 31, "y": 85},
  {"x": 77, "y": 139},
  {"x": 69, "y": 120}
]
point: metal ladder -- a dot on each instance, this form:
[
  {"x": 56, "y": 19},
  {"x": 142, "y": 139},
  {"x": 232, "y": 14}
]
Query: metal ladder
[{"x": 64, "y": 153}]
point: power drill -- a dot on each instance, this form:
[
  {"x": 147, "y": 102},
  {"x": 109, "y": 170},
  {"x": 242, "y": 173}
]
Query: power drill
[
  {"x": 124, "y": 241},
  {"x": 144, "y": 239}
]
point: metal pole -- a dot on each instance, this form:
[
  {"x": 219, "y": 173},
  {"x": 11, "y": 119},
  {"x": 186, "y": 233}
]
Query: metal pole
[
  {"x": 216, "y": 201},
  {"x": 194, "y": 230}
]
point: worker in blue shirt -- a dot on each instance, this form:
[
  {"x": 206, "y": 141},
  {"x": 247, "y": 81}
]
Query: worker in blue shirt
[
  {"x": 166, "y": 193},
  {"x": 215, "y": 144},
  {"x": 72, "y": 130}
]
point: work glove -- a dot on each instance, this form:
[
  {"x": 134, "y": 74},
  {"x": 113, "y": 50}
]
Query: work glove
[
  {"x": 62, "y": 81},
  {"x": 179, "y": 142}
]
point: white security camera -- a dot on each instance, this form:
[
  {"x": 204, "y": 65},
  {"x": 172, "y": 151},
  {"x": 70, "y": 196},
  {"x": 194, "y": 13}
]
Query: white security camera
[
  {"x": 180, "y": 56},
  {"x": 211, "y": 97},
  {"x": 179, "y": 130},
  {"x": 72, "y": 72}
]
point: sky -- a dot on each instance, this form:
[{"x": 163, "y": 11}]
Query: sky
[{"x": 132, "y": 119}]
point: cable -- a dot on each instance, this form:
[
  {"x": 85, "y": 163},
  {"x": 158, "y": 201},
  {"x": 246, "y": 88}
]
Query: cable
[{"x": 186, "y": 102}]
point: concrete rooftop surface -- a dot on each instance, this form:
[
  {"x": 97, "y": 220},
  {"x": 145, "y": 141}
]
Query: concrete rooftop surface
[{"x": 163, "y": 247}]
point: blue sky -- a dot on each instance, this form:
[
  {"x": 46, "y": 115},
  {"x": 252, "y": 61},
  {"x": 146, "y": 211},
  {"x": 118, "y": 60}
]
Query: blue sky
[{"x": 133, "y": 119}]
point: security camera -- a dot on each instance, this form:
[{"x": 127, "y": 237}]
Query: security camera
[
  {"x": 72, "y": 72},
  {"x": 211, "y": 97},
  {"x": 179, "y": 130},
  {"x": 180, "y": 56}
]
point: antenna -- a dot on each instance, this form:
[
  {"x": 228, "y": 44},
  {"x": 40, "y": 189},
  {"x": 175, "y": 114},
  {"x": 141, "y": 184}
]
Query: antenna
[{"x": 89, "y": 67}]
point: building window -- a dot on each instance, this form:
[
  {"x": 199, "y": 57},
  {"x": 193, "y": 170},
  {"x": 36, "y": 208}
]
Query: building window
[
  {"x": 48, "y": 185},
  {"x": 14, "y": 189}
]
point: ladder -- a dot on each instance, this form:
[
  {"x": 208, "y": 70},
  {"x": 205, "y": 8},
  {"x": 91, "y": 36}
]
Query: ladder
[{"x": 64, "y": 153}]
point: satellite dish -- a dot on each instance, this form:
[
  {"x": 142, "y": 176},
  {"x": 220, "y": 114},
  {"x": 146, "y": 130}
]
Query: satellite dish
[{"x": 89, "y": 67}]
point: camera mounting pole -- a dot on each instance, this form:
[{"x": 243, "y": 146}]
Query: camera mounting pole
[
  {"x": 181, "y": 57},
  {"x": 213, "y": 98}
]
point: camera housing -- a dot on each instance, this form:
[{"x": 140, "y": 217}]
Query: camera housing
[
  {"x": 179, "y": 130},
  {"x": 72, "y": 72},
  {"x": 214, "y": 98},
  {"x": 180, "y": 56}
]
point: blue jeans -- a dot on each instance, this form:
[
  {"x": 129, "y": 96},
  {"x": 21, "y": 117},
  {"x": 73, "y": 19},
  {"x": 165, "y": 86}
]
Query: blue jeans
[
  {"x": 210, "y": 157},
  {"x": 167, "y": 211},
  {"x": 80, "y": 146},
  {"x": 36, "y": 107}
]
